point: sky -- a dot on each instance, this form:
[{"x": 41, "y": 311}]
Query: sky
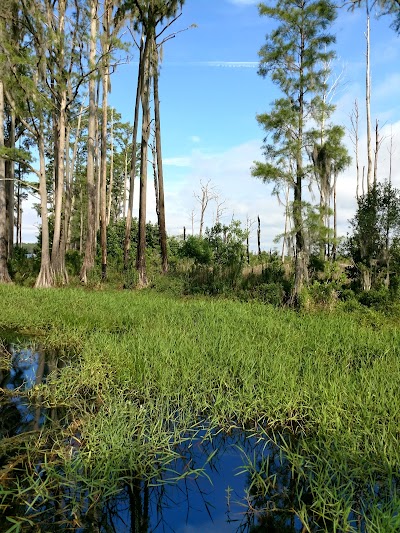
[{"x": 211, "y": 93}]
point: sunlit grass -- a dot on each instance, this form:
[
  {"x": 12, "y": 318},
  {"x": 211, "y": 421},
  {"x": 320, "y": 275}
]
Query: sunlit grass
[{"x": 145, "y": 371}]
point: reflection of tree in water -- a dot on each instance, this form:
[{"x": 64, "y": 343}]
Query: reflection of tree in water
[
  {"x": 280, "y": 488},
  {"x": 315, "y": 483},
  {"x": 272, "y": 495}
]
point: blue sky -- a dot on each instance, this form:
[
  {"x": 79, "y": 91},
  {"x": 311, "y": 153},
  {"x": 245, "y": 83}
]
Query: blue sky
[{"x": 210, "y": 95}]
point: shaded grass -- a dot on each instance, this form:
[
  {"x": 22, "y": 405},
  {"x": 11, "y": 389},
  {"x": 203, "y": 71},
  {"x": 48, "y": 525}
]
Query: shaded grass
[{"x": 147, "y": 370}]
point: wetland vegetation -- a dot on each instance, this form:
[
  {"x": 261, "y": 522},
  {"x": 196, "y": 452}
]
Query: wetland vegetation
[{"x": 145, "y": 376}]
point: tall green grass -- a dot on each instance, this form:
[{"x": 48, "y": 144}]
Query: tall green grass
[{"x": 145, "y": 371}]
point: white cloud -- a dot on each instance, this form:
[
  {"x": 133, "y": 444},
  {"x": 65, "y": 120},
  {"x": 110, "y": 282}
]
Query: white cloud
[
  {"x": 195, "y": 139},
  {"x": 30, "y": 220},
  {"x": 230, "y": 175},
  {"x": 176, "y": 161}
]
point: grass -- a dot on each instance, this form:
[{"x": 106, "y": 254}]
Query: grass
[{"x": 145, "y": 371}]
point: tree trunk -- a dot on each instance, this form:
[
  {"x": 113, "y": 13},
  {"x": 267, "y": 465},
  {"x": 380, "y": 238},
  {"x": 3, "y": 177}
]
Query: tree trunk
[
  {"x": 90, "y": 245},
  {"x": 110, "y": 187},
  {"x": 334, "y": 245},
  {"x": 103, "y": 174},
  {"x": 301, "y": 261},
  {"x": 128, "y": 226},
  {"x": 377, "y": 144},
  {"x": 18, "y": 198},
  {"x": 123, "y": 210},
  {"x": 10, "y": 175},
  {"x": 370, "y": 182},
  {"x": 4, "y": 275},
  {"x": 58, "y": 251},
  {"x": 141, "y": 248},
  {"x": 355, "y": 126},
  {"x": 59, "y": 86},
  {"x": 161, "y": 203},
  {"x": 46, "y": 275}
]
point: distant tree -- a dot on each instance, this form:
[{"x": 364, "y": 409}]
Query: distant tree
[
  {"x": 292, "y": 56},
  {"x": 387, "y": 7},
  {"x": 207, "y": 194},
  {"x": 376, "y": 232}
]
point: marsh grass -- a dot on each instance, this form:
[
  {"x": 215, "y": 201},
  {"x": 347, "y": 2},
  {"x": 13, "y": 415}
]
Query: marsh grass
[{"x": 145, "y": 372}]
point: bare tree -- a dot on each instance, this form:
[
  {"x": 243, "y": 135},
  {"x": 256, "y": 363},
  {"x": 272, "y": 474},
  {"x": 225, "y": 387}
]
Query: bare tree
[
  {"x": 368, "y": 101},
  {"x": 206, "y": 195},
  {"x": 378, "y": 142},
  {"x": 219, "y": 208},
  {"x": 354, "y": 136}
]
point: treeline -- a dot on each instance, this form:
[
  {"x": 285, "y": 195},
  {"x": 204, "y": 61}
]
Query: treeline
[{"x": 56, "y": 62}]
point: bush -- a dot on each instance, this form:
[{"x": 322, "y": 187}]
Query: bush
[
  {"x": 319, "y": 295},
  {"x": 73, "y": 261},
  {"x": 377, "y": 299},
  {"x": 23, "y": 269},
  {"x": 269, "y": 293}
]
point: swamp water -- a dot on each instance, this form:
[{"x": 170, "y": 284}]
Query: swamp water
[{"x": 225, "y": 482}]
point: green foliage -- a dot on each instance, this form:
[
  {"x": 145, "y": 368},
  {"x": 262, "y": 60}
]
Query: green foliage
[
  {"x": 196, "y": 248},
  {"x": 23, "y": 267},
  {"x": 218, "y": 259},
  {"x": 116, "y": 237},
  {"x": 374, "y": 241},
  {"x": 322, "y": 387},
  {"x": 378, "y": 299},
  {"x": 319, "y": 295},
  {"x": 73, "y": 261}
]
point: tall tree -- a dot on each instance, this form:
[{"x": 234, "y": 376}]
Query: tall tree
[
  {"x": 4, "y": 275},
  {"x": 292, "y": 56},
  {"x": 90, "y": 243},
  {"x": 105, "y": 76},
  {"x": 150, "y": 16}
]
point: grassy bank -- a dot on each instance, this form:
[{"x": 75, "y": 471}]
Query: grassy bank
[{"x": 143, "y": 369}]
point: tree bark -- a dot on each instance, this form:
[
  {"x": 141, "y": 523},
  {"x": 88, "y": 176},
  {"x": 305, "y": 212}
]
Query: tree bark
[
  {"x": 58, "y": 250},
  {"x": 46, "y": 274},
  {"x": 141, "y": 248},
  {"x": 90, "y": 243},
  {"x": 4, "y": 274},
  {"x": 370, "y": 181},
  {"x": 110, "y": 187},
  {"x": 128, "y": 226},
  {"x": 10, "y": 175},
  {"x": 106, "y": 44},
  {"x": 334, "y": 245},
  {"x": 161, "y": 203}
]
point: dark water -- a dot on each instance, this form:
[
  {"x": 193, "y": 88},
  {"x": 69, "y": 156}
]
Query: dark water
[
  {"x": 247, "y": 485},
  {"x": 218, "y": 500}
]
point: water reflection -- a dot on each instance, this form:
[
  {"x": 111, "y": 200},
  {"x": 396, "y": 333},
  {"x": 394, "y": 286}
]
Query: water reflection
[
  {"x": 248, "y": 484},
  {"x": 29, "y": 367},
  {"x": 219, "y": 500}
]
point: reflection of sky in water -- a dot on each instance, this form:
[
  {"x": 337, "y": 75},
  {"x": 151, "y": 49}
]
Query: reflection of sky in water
[
  {"x": 192, "y": 505},
  {"x": 23, "y": 372},
  {"x": 24, "y": 368},
  {"x": 198, "y": 505}
]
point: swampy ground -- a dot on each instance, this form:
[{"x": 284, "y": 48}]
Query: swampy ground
[{"x": 134, "y": 381}]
